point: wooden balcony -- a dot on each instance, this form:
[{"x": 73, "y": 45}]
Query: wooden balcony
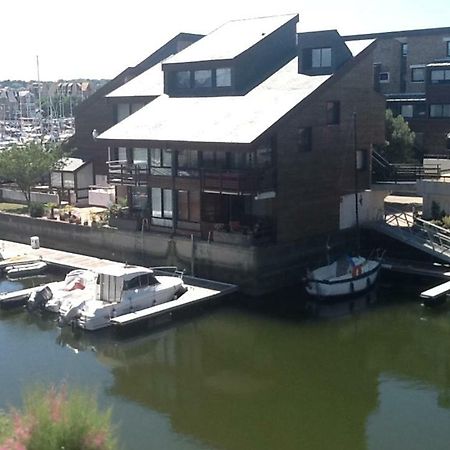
[
  {"x": 220, "y": 181},
  {"x": 124, "y": 173},
  {"x": 237, "y": 181}
]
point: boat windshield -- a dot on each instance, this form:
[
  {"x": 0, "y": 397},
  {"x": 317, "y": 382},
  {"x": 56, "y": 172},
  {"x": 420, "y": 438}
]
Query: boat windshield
[{"x": 140, "y": 281}]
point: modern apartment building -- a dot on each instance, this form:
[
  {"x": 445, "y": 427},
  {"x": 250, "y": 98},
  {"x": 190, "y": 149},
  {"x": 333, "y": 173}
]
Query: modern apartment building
[
  {"x": 414, "y": 74},
  {"x": 246, "y": 140}
]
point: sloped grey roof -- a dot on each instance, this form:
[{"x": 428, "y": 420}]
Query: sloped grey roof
[
  {"x": 70, "y": 165},
  {"x": 231, "y": 39},
  {"x": 233, "y": 119},
  {"x": 356, "y": 47},
  {"x": 148, "y": 84}
]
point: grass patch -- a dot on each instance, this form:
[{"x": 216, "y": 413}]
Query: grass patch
[
  {"x": 55, "y": 419},
  {"x": 14, "y": 208}
]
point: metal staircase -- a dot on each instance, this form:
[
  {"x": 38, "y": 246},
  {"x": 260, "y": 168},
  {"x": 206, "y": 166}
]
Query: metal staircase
[
  {"x": 414, "y": 231},
  {"x": 385, "y": 172}
]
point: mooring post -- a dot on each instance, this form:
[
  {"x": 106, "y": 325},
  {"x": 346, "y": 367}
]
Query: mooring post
[{"x": 192, "y": 255}]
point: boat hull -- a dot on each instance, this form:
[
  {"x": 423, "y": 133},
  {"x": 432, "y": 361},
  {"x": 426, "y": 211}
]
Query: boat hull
[
  {"x": 94, "y": 315},
  {"x": 345, "y": 285},
  {"x": 25, "y": 270}
]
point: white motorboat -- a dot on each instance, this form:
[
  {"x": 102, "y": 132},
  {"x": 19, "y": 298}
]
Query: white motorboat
[
  {"x": 25, "y": 269},
  {"x": 346, "y": 276},
  {"x": 120, "y": 289},
  {"x": 77, "y": 285}
]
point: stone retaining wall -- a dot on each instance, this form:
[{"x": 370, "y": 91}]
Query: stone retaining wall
[{"x": 256, "y": 270}]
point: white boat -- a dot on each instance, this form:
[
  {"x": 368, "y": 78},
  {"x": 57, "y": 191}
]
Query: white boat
[
  {"x": 77, "y": 285},
  {"x": 25, "y": 269},
  {"x": 120, "y": 289},
  {"x": 346, "y": 276}
]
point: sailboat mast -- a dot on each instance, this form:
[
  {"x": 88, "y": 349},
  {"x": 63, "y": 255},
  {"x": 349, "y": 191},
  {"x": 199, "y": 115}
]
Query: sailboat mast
[
  {"x": 355, "y": 159},
  {"x": 39, "y": 93}
]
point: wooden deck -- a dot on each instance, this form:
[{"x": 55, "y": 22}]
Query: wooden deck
[
  {"x": 16, "y": 252},
  {"x": 199, "y": 289}
]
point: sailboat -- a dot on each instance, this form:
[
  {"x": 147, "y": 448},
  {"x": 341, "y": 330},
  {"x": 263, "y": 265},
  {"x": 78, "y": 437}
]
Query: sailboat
[{"x": 349, "y": 274}]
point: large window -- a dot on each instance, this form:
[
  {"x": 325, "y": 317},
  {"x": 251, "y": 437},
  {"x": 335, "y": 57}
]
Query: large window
[
  {"x": 139, "y": 196},
  {"x": 140, "y": 157},
  {"x": 161, "y": 161},
  {"x": 121, "y": 154},
  {"x": 407, "y": 111},
  {"x": 320, "y": 57},
  {"x": 188, "y": 163},
  {"x": 214, "y": 160},
  {"x": 162, "y": 211},
  {"x": 183, "y": 79},
  {"x": 242, "y": 160},
  {"x": 264, "y": 156},
  {"x": 333, "y": 113},
  {"x": 437, "y": 111},
  {"x": 440, "y": 76},
  {"x": 189, "y": 206},
  {"x": 203, "y": 78},
  {"x": 417, "y": 74},
  {"x": 223, "y": 77}
]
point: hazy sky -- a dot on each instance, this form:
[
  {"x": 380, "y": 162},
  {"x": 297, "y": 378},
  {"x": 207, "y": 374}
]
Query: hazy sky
[{"x": 99, "y": 38}]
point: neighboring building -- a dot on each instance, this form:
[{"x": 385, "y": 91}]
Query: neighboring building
[
  {"x": 252, "y": 142},
  {"x": 99, "y": 113},
  {"x": 414, "y": 74},
  {"x": 15, "y": 104}
]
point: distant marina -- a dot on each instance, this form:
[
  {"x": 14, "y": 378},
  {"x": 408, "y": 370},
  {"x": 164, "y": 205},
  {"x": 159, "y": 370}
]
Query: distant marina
[{"x": 26, "y": 129}]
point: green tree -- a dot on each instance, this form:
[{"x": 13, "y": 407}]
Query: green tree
[
  {"x": 399, "y": 146},
  {"x": 27, "y": 164}
]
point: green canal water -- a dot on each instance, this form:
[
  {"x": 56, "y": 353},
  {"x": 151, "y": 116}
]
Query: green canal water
[{"x": 372, "y": 374}]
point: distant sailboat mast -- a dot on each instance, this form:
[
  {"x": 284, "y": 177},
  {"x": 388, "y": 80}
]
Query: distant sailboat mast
[{"x": 39, "y": 94}]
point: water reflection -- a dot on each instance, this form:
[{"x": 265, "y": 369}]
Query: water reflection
[
  {"x": 358, "y": 374},
  {"x": 237, "y": 381}
]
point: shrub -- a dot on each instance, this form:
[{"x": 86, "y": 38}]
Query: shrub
[
  {"x": 446, "y": 221},
  {"x": 53, "y": 419},
  {"x": 37, "y": 209}
]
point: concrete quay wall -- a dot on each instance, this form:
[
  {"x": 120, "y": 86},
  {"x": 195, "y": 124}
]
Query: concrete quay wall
[{"x": 257, "y": 270}]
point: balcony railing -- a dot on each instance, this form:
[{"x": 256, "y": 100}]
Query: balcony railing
[
  {"x": 237, "y": 181},
  {"x": 222, "y": 181},
  {"x": 122, "y": 172}
]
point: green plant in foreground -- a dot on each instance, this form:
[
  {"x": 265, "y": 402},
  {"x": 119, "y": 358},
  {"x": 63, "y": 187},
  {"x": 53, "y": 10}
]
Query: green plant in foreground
[{"x": 55, "y": 419}]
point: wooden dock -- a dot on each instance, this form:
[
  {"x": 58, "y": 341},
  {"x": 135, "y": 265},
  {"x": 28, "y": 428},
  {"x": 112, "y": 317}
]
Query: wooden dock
[
  {"x": 199, "y": 290},
  {"x": 420, "y": 268},
  {"x": 16, "y": 252},
  {"x": 194, "y": 295},
  {"x": 436, "y": 292}
]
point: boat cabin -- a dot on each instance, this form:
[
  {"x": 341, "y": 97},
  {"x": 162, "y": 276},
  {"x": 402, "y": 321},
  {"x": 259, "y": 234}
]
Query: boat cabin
[{"x": 114, "y": 281}]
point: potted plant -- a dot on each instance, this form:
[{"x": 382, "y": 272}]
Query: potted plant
[{"x": 51, "y": 210}]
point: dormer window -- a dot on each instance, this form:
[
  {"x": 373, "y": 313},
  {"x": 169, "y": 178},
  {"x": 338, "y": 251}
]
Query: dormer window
[
  {"x": 203, "y": 79},
  {"x": 321, "y": 57},
  {"x": 183, "y": 79},
  {"x": 223, "y": 77}
]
